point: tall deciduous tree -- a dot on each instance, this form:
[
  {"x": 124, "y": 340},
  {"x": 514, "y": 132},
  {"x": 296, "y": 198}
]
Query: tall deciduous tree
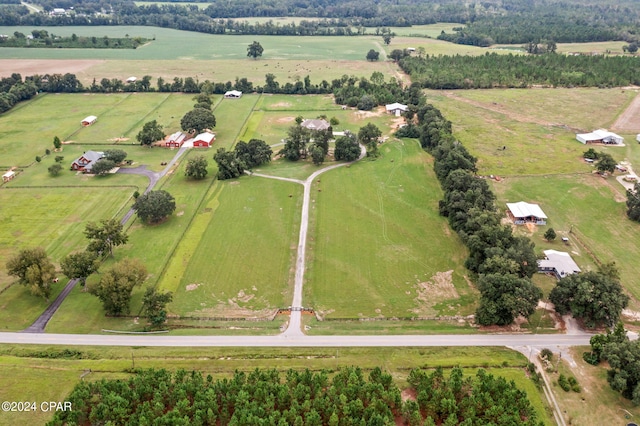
[
  {"x": 34, "y": 270},
  {"x": 368, "y": 136},
  {"x": 104, "y": 236},
  {"x": 254, "y": 50},
  {"x": 372, "y": 55},
  {"x": 102, "y": 167},
  {"x": 347, "y": 148},
  {"x": 229, "y": 166},
  {"x": 80, "y": 265},
  {"x": 115, "y": 286},
  {"x": 633, "y": 203},
  {"x": 151, "y": 132},
  {"x": 504, "y": 297},
  {"x": 55, "y": 169},
  {"x": 606, "y": 163},
  {"x": 254, "y": 153},
  {"x": 154, "y": 306},
  {"x": 295, "y": 146},
  {"x": 115, "y": 155},
  {"x": 197, "y": 167},
  {"x": 197, "y": 120},
  {"x": 56, "y": 142},
  {"x": 594, "y": 297},
  {"x": 154, "y": 206}
]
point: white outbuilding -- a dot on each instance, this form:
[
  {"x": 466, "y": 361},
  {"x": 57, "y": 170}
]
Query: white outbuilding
[
  {"x": 600, "y": 136},
  {"x": 396, "y": 109},
  {"x": 522, "y": 212},
  {"x": 88, "y": 121}
]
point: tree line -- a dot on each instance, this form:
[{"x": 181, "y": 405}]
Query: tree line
[
  {"x": 502, "y": 262},
  {"x": 494, "y": 70},
  {"x": 523, "y": 21},
  {"x": 42, "y": 39},
  {"x": 262, "y": 397},
  {"x": 515, "y": 21}
]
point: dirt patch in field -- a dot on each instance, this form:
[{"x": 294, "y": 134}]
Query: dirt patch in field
[
  {"x": 285, "y": 119},
  {"x": 118, "y": 140},
  {"x": 191, "y": 287},
  {"x": 409, "y": 394},
  {"x": 281, "y": 105},
  {"x": 44, "y": 66},
  {"x": 363, "y": 115},
  {"x": 438, "y": 288}
]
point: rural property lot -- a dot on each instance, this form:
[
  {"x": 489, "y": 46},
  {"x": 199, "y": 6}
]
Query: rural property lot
[{"x": 380, "y": 249}]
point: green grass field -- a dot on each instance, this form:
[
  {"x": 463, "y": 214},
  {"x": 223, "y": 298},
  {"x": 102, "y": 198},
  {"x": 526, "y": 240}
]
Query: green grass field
[
  {"x": 379, "y": 247},
  {"x": 593, "y": 207},
  {"x": 536, "y": 126},
  {"x": 239, "y": 265},
  {"x": 27, "y": 377}
]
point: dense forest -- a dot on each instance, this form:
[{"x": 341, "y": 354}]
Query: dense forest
[
  {"x": 482, "y": 23},
  {"x": 263, "y": 397},
  {"x": 494, "y": 70}
]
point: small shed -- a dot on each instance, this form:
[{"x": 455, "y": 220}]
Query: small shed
[
  {"x": 204, "y": 140},
  {"x": 396, "y": 109},
  {"x": 8, "y": 176},
  {"x": 600, "y": 136},
  {"x": 638, "y": 137},
  {"x": 315, "y": 124},
  {"x": 522, "y": 212},
  {"x": 88, "y": 121},
  {"x": 132, "y": 79},
  {"x": 233, "y": 94}
]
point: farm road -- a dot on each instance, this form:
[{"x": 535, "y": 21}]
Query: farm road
[
  {"x": 628, "y": 121},
  {"x": 41, "y": 322},
  {"x": 294, "y": 328}
]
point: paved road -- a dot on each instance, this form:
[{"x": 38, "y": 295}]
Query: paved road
[
  {"x": 294, "y": 328},
  {"x": 41, "y": 322},
  {"x": 550, "y": 341}
]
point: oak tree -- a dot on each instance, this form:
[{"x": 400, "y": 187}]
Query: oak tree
[
  {"x": 154, "y": 206},
  {"x": 34, "y": 270}
]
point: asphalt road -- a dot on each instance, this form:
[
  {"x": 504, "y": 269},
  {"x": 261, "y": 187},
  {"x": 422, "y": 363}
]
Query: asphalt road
[{"x": 550, "y": 341}]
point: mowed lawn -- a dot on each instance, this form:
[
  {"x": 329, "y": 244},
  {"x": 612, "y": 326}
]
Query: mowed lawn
[
  {"x": 240, "y": 263},
  {"x": 378, "y": 246},
  {"x": 522, "y": 132},
  {"x": 590, "y": 206}
]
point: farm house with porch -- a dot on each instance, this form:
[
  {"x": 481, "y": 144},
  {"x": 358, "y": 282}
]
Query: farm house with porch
[
  {"x": 522, "y": 213},
  {"x": 558, "y": 263}
]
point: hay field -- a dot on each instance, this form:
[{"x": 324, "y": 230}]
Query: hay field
[{"x": 379, "y": 248}]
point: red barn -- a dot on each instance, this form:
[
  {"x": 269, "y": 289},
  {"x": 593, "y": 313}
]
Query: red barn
[
  {"x": 204, "y": 140},
  {"x": 176, "y": 140}
]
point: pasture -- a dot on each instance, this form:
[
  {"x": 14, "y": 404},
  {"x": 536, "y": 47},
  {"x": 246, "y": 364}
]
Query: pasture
[
  {"x": 379, "y": 248},
  {"x": 536, "y": 126},
  {"x": 239, "y": 262},
  {"x": 220, "y": 58},
  {"x": 592, "y": 208}
]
